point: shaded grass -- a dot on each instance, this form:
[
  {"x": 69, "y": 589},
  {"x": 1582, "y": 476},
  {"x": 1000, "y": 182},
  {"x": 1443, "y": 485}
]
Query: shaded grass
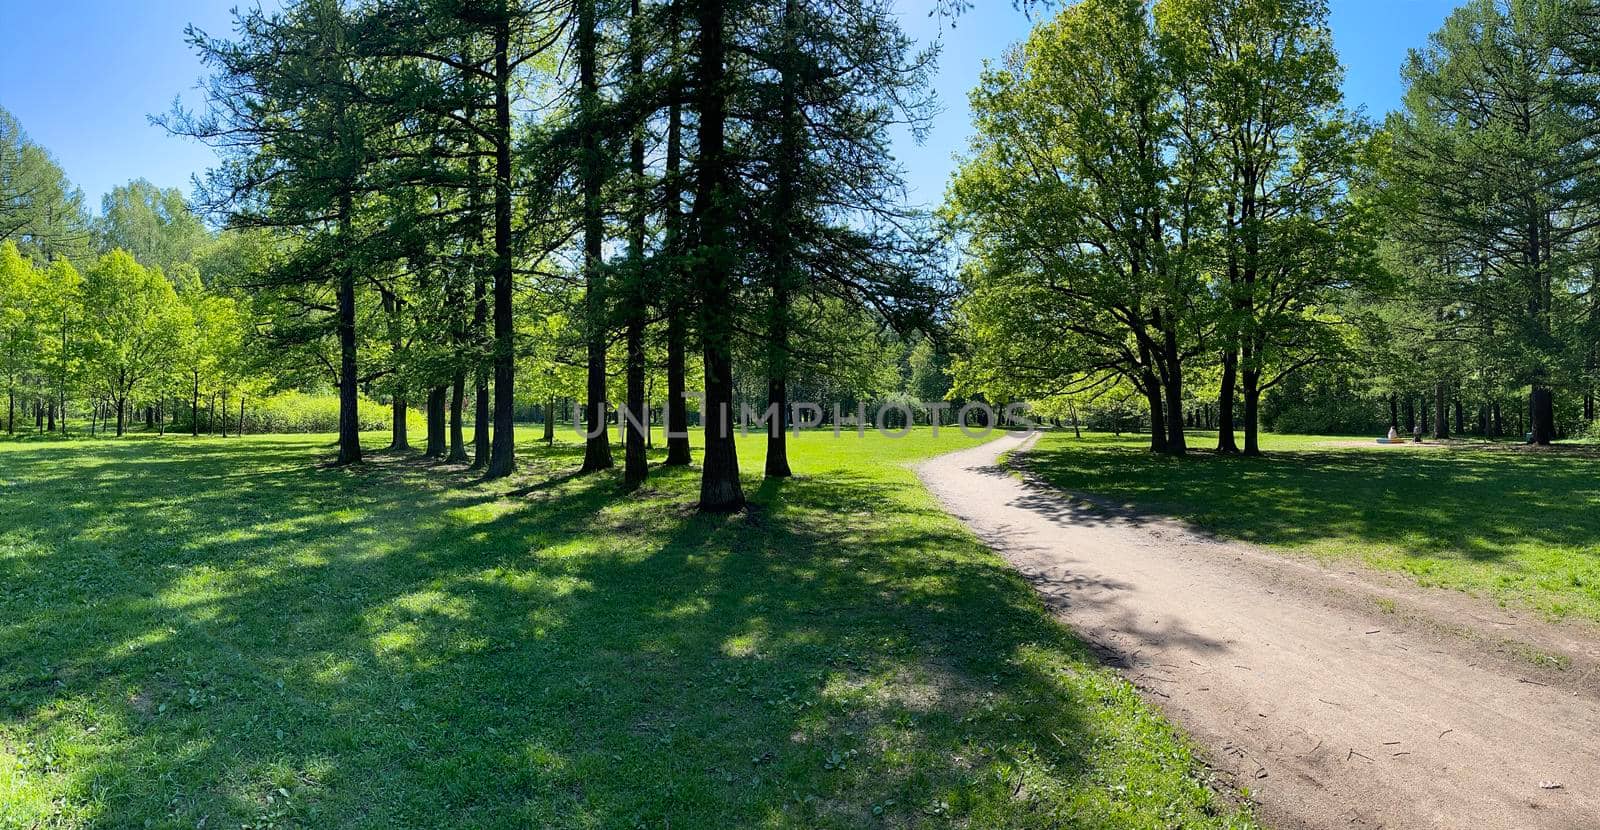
[
  {"x": 227, "y": 633},
  {"x": 1516, "y": 524}
]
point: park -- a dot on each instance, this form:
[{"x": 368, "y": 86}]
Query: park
[{"x": 800, "y": 414}]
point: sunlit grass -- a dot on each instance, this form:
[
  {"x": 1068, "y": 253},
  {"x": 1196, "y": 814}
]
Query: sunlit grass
[
  {"x": 1516, "y": 524},
  {"x": 226, "y": 633}
]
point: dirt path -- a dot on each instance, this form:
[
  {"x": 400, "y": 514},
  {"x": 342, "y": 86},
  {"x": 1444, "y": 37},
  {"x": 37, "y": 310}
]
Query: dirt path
[{"x": 1339, "y": 699}]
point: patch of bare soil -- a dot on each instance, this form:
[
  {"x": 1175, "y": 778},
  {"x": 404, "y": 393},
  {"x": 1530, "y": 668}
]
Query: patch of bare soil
[{"x": 1337, "y": 696}]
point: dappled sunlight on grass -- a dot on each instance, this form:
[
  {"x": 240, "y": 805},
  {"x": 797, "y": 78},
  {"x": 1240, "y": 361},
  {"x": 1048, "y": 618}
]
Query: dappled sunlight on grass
[
  {"x": 1520, "y": 525},
  {"x": 231, "y": 632}
]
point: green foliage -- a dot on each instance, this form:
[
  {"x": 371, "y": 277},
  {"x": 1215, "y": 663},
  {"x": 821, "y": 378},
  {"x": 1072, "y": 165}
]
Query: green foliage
[
  {"x": 40, "y": 210},
  {"x": 1154, "y": 188},
  {"x": 154, "y": 225},
  {"x": 303, "y": 412},
  {"x": 1489, "y": 175}
]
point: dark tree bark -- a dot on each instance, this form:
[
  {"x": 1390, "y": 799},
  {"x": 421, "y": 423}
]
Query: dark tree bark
[
  {"x": 1151, "y": 386},
  {"x": 458, "y": 443},
  {"x": 781, "y": 240},
  {"x": 635, "y": 464},
  {"x": 436, "y": 423},
  {"x": 1252, "y": 411},
  {"x": 550, "y": 423},
  {"x": 720, "y": 489},
  {"x": 1542, "y": 415},
  {"x": 677, "y": 415},
  {"x": 400, "y": 439},
  {"x": 1394, "y": 411},
  {"x": 1441, "y": 411},
  {"x": 503, "y": 454},
  {"x": 1172, "y": 382},
  {"x": 349, "y": 419},
  {"x": 597, "y": 448}
]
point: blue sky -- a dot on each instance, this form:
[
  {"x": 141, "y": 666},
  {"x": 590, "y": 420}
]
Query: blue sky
[{"x": 84, "y": 75}]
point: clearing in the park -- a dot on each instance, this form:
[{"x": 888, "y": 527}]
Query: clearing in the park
[{"x": 679, "y": 414}]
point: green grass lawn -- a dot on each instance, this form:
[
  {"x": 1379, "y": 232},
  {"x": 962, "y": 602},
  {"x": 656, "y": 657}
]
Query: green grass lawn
[
  {"x": 1519, "y": 525},
  {"x": 223, "y": 633}
]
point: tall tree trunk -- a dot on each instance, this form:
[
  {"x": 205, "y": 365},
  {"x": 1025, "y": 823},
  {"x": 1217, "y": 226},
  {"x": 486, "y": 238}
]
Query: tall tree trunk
[
  {"x": 349, "y": 417},
  {"x": 50, "y": 417},
  {"x": 782, "y": 253},
  {"x": 1172, "y": 382},
  {"x": 1461, "y": 425},
  {"x": 399, "y": 431},
  {"x": 1542, "y": 415},
  {"x": 550, "y": 423},
  {"x": 1252, "y": 411},
  {"x": 720, "y": 489},
  {"x": 1150, "y": 385},
  {"x": 399, "y": 423},
  {"x": 597, "y": 449},
  {"x": 1394, "y": 411},
  {"x": 458, "y": 439},
  {"x": 1226, "y": 442},
  {"x": 481, "y": 443},
  {"x": 224, "y": 413},
  {"x": 677, "y": 414},
  {"x": 241, "y": 414},
  {"x": 194, "y": 406},
  {"x": 436, "y": 423},
  {"x": 503, "y": 454},
  {"x": 122, "y": 413},
  {"x": 1441, "y": 412},
  {"x": 635, "y": 465}
]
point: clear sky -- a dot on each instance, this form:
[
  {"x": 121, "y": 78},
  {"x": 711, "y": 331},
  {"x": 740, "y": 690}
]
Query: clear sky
[{"x": 84, "y": 75}]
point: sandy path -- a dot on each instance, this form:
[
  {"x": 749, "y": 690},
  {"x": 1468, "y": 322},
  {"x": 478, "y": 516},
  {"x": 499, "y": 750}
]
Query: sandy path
[{"x": 1334, "y": 707}]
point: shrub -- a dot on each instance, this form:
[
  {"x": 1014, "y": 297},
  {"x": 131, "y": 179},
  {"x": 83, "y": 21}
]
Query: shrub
[{"x": 303, "y": 412}]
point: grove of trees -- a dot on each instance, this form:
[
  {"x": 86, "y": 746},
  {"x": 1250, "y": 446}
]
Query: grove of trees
[
  {"x": 493, "y": 210},
  {"x": 437, "y": 203},
  {"x": 1169, "y": 200}
]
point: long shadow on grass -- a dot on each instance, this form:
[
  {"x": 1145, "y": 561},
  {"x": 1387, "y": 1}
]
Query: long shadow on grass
[
  {"x": 255, "y": 638},
  {"x": 1479, "y": 504}
]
